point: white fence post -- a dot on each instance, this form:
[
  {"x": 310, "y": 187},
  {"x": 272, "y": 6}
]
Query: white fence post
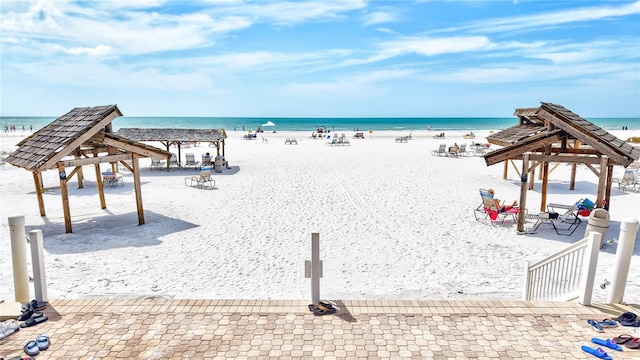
[
  {"x": 628, "y": 231},
  {"x": 19, "y": 257},
  {"x": 526, "y": 296},
  {"x": 37, "y": 261},
  {"x": 589, "y": 268},
  {"x": 313, "y": 268}
]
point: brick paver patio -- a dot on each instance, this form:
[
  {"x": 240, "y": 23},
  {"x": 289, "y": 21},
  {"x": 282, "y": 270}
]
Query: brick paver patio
[{"x": 248, "y": 329}]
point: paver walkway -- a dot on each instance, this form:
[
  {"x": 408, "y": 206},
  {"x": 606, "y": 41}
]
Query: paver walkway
[{"x": 249, "y": 329}]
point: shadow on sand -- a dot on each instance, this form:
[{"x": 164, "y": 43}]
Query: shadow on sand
[{"x": 116, "y": 231}]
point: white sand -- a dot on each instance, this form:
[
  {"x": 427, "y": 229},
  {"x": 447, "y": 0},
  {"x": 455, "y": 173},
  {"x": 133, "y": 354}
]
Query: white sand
[{"x": 394, "y": 223}]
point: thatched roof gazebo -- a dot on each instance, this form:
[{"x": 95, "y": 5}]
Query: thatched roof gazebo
[
  {"x": 83, "y": 136},
  {"x": 177, "y": 137},
  {"x": 553, "y": 134}
]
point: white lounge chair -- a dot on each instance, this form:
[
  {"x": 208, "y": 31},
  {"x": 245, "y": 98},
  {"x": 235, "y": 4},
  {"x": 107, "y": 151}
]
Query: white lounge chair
[
  {"x": 190, "y": 161},
  {"x": 440, "y": 151},
  {"x": 627, "y": 181},
  {"x": 201, "y": 180}
]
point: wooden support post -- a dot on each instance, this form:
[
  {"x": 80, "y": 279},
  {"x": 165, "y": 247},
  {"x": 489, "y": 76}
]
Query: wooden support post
[
  {"x": 602, "y": 179},
  {"x": 532, "y": 177},
  {"x": 103, "y": 201},
  {"x": 505, "y": 171},
  {"x": 523, "y": 191},
  {"x": 137, "y": 188},
  {"x": 64, "y": 192},
  {"x": 545, "y": 183},
  {"x": 37, "y": 180},
  {"x": 80, "y": 176},
  {"x": 572, "y": 182},
  {"x": 607, "y": 196}
]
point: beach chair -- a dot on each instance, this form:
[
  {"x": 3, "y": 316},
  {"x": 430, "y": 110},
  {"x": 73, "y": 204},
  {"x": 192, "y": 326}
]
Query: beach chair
[
  {"x": 157, "y": 164},
  {"x": 206, "y": 160},
  {"x": 627, "y": 181},
  {"x": 173, "y": 161},
  {"x": 201, "y": 180},
  {"x": 333, "y": 142},
  {"x": 453, "y": 151},
  {"x": 563, "y": 218},
  {"x": 463, "y": 150},
  {"x": 190, "y": 161},
  {"x": 112, "y": 179},
  {"x": 488, "y": 209},
  {"x": 441, "y": 150}
]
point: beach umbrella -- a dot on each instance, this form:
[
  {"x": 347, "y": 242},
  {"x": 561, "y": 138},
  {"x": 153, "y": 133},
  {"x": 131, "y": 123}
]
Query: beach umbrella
[{"x": 269, "y": 123}]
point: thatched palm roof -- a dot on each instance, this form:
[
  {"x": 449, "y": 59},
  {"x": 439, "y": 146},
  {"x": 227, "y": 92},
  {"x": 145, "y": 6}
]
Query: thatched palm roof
[
  {"x": 79, "y": 128},
  {"x": 173, "y": 135},
  {"x": 555, "y": 123}
]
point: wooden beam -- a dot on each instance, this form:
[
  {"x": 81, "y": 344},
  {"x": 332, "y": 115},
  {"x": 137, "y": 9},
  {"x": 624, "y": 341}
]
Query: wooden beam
[
  {"x": 80, "y": 140},
  {"x": 602, "y": 181},
  {"x": 138, "y": 189},
  {"x": 564, "y": 158},
  {"x": 545, "y": 183},
  {"x": 533, "y": 143},
  {"x": 103, "y": 201},
  {"x": 523, "y": 192},
  {"x": 97, "y": 160},
  {"x": 37, "y": 180},
  {"x": 133, "y": 148},
  {"x": 607, "y": 196},
  {"x": 593, "y": 169},
  {"x": 515, "y": 167},
  {"x": 572, "y": 181},
  {"x": 64, "y": 193}
]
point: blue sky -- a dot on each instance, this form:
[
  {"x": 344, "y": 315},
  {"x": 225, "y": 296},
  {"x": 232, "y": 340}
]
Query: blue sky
[{"x": 348, "y": 58}]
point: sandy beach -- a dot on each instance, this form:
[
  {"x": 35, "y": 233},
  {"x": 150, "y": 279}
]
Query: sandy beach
[{"x": 395, "y": 222}]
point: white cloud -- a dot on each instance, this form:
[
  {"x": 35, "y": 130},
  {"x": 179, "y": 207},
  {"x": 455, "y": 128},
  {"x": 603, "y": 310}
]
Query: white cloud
[
  {"x": 430, "y": 46},
  {"x": 99, "y": 50},
  {"x": 379, "y": 17},
  {"x": 538, "y": 21}
]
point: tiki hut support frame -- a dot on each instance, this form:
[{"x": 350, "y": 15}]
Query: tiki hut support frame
[
  {"x": 77, "y": 139},
  {"x": 536, "y": 140}
]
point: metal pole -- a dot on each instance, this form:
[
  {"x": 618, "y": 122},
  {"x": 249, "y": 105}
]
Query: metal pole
[
  {"x": 19, "y": 257},
  {"x": 37, "y": 262},
  {"x": 315, "y": 268},
  {"x": 628, "y": 231}
]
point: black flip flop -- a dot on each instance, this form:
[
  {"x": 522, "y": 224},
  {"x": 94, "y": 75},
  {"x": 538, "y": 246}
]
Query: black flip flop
[
  {"x": 34, "y": 321},
  {"x": 320, "y": 309}
]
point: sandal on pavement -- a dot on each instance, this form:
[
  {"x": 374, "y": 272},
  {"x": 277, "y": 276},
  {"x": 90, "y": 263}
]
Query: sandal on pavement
[
  {"x": 597, "y": 352},
  {"x": 595, "y": 325},
  {"x": 31, "y": 348}
]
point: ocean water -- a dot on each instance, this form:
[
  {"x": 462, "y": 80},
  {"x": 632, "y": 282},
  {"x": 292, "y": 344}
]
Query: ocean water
[{"x": 310, "y": 124}]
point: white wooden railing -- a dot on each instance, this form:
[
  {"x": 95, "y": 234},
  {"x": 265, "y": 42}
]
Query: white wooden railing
[{"x": 566, "y": 274}]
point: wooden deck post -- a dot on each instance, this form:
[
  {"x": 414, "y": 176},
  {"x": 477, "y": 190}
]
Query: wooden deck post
[
  {"x": 602, "y": 179},
  {"x": 64, "y": 192},
  {"x": 138, "y": 189},
  {"x": 37, "y": 180},
  {"x": 607, "y": 195},
  {"x": 505, "y": 171},
  {"x": 103, "y": 202},
  {"x": 523, "y": 191}
]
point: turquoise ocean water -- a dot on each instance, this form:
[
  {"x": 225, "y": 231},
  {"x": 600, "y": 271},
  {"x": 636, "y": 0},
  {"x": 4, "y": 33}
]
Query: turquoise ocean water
[{"x": 310, "y": 124}]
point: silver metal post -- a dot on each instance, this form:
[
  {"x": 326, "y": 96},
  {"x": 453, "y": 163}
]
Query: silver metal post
[
  {"x": 37, "y": 261},
  {"x": 316, "y": 272}
]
